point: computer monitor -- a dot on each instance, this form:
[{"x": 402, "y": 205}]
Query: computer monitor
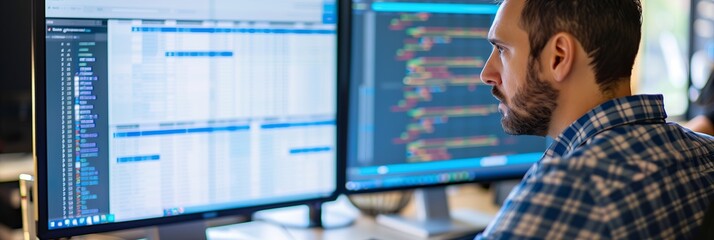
[
  {"x": 153, "y": 112},
  {"x": 420, "y": 116}
]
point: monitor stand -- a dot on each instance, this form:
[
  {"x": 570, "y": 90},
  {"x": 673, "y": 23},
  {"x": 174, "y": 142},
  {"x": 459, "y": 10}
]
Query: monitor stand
[
  {"x": 190, "y": 230},
  {"x": 433, "y": 217},
  {"x": 249, "y": 231},
  {"x": 312, "y": 215}
]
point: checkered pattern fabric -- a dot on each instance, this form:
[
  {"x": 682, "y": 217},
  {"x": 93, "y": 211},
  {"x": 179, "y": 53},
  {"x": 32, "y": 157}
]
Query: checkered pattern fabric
[{"x": 618, "y": 172}]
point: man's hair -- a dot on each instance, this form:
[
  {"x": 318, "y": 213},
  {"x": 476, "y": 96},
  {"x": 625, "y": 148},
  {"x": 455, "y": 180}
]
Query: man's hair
[{"x": 608, "y": 30}]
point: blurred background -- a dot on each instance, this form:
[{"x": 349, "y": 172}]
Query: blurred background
[
  {"x": 15, "y": 108},
  {"x": 15, "y": 96},
  {"x": 677, "y": 53}
]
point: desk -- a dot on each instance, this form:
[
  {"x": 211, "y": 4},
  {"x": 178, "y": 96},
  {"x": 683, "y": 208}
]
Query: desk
[{"x": 467, "y": 197}]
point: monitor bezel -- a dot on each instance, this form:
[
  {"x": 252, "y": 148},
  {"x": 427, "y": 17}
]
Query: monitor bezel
[
  {"x": 39, "y": 118},
  {"x": 490, "y": 179}
]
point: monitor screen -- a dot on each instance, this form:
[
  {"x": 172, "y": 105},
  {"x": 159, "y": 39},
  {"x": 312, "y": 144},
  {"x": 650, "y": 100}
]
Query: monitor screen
[
  {"x": 419, "y": 113},
  {"x": 156, "y": 109}
]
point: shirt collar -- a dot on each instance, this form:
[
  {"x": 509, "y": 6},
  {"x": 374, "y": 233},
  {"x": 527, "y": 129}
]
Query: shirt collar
[{"x": 613, "y": 113}]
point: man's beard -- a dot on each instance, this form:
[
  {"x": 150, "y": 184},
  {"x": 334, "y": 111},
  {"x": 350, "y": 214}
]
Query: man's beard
[{"x": 531, "y": 108}]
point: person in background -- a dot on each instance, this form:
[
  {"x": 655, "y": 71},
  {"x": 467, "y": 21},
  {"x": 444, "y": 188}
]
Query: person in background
[
  {"x": 616, "y": 169},
  {"x": 705, "y": 123}
]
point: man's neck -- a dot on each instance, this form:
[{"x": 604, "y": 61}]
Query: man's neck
[{"x": 573, "y": 104}]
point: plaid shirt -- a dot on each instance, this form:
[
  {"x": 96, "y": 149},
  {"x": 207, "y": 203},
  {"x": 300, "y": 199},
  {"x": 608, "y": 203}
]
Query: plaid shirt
[{"x": 618, "y": 172}]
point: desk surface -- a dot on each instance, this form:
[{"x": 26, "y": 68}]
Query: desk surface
[
  {"x": 467, "y": 197},
  {"x": 463, "y": 199}
]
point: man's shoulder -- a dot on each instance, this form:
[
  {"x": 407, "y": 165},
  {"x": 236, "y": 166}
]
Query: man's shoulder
[
  {"x": 616, "y": 158},
  {"x": 654, "y": 142}
]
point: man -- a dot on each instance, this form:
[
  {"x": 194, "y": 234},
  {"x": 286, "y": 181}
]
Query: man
[{"x": 616, "y": 169}]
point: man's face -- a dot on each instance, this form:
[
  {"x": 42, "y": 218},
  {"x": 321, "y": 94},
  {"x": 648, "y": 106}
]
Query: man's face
[{"x": 527, "y": 101}]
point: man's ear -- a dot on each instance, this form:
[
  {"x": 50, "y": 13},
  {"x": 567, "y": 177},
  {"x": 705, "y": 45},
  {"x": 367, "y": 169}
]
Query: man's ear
[{"x": 560, "y": 61}]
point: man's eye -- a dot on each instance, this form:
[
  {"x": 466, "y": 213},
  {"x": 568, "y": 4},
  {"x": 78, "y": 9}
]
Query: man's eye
[{"x": 500, "y": 49}]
